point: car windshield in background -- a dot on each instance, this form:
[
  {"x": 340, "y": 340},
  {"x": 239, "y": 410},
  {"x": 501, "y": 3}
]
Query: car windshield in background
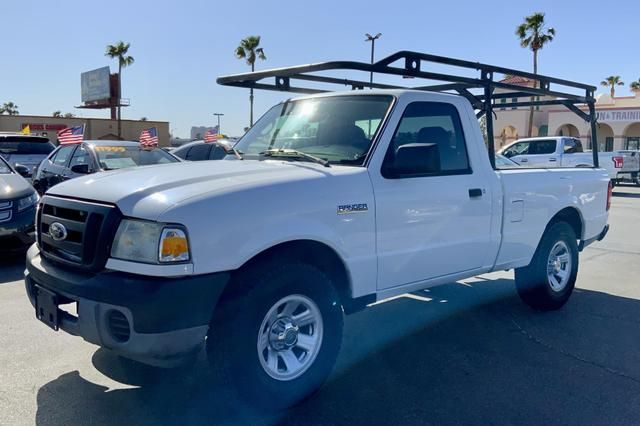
[
  {"x": 119, "y": 157},
  {"x": 338, "y": 129},
  {"x": 25, "y": 145},
  {"x": 4, "y": 167}
]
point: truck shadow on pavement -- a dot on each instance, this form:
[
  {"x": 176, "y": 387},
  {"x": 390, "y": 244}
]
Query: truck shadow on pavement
[{"x": 458, "y": 353}]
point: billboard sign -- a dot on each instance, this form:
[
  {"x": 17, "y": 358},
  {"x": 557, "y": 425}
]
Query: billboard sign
[{"x": 95, "y": 85}]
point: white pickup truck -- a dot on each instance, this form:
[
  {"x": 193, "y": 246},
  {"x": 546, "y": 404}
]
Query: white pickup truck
[
  {"x": 563, "y": 151},
  {"x": 331, "y": 202}
]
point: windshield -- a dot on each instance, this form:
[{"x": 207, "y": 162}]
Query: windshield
[
  {"x": 25, "y": 145},
  {"x": 119, "y": 157},
  {"x": 4, "y": 167},
  {"x": 337, "y": 129}
]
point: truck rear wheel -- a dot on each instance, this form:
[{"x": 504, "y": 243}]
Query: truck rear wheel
[
  {"x": 548, "y": 281},
  {"x": 276, "y": 341}
]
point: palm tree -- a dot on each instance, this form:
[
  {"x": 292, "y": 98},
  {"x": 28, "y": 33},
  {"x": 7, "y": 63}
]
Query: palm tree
[
  {"x": 10, "y": 108},
  {"x": 612, "y": 81},
  {"x": 635, "y": 86},
  {"x": 119, "y": 51},
  {"x": 57, "y": 114},
  {"x": 534, "y": 35},
  {"x": 248, "y": 50}
]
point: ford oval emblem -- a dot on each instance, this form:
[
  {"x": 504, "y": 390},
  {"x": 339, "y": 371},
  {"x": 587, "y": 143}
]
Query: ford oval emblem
[{"x": 57, "y": 231}]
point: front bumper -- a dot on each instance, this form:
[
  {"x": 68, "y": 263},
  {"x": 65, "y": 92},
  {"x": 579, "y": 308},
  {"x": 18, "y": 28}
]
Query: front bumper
[
  {"x": 167, "y": 318},
  {"x": 18, "y": 232}
]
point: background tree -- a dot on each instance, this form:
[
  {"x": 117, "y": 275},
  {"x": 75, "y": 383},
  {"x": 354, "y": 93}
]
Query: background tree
[
  {"x": 9, "y": 108},
  {"x": 249, "y": 50},
  {"x": 143, "y": 119},
  {"x": 534, "y": 35},
  {"x": 57, "y": 114},
  {"x": 635, "y": 86},
  {"x": 611, "y": 82},
  {"x": 119, "y": 51},
  {"x": 69, "y": 115}
]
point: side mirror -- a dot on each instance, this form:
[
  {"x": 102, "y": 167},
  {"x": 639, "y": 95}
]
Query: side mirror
[
  {"x": 508, "y": 154},
  {"x": 22, "y": 170},
  {"x": 415, "y": 159},
  {"x": 81, "y": 169}
]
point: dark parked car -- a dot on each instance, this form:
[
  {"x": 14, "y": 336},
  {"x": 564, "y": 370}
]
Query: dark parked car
[
  {"x": 70, "y": 161},
  {"x": 18, "y": 202},
  {"x": 201, "y": 150},
  {"x": 27, "y": 150}
]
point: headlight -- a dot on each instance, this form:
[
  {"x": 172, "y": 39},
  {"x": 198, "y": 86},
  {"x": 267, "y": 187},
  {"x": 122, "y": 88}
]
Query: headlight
[
  {"x": 150, "y": 242},
  {"x": 26, "y": 202}
]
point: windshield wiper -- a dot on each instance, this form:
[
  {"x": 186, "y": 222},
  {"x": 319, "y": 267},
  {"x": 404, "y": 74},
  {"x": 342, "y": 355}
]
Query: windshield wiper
[{"x": 294, "y": 153}]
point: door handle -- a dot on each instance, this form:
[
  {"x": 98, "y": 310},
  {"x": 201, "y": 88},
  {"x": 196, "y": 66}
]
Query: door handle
[
  {"x": 523, "y": 160},
  {"x": 475, "y": 192},
  {"x": 552, "y": 159}
]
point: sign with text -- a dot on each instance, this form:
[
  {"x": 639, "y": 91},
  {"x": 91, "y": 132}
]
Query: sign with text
[
  {"x": 95, "y": 85},
  {"x": 618, "y": 115}
]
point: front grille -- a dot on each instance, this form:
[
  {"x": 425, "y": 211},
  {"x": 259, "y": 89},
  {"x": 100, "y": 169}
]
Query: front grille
[
  {"x": 118, "y": 326},
  {"x": 89, "y": 229}
]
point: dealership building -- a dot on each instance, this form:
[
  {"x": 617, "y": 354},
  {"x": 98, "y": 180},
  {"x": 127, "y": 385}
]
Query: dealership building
[
  {"x": 95, "y": 128},
  {"x": 618, "y": 121}
]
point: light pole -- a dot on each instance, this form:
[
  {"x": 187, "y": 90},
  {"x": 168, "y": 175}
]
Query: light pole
[
  {"x": 372, "y": 39},
  {"x": 217, "y": 114}
]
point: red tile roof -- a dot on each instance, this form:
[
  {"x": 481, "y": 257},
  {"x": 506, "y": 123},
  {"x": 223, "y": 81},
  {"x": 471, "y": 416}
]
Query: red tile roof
[{"x": 517, "y": 80}]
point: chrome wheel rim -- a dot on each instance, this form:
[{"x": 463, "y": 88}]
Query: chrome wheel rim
[
  {"x": 559, "y": 266},
  {"x": 290, "y": 337}
]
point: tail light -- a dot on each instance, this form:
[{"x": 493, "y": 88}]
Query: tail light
[
  {"x": 609, "y": 195},
  {"x": 618, "y": 162}
]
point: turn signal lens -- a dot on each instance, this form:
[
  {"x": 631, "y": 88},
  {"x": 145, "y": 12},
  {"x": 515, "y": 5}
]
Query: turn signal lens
[{"x": 174, "y": 246}]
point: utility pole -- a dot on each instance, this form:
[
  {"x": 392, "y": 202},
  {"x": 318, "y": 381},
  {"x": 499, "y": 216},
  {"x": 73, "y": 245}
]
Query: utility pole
[
  {"x": 217, "y": 114},
  {"x": 372, "y": 39}
]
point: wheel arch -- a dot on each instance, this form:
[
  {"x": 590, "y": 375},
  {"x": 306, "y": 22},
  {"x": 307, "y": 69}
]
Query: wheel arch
[
  {"x": 312, "y": 252},
  {"x": 571, "y": 216}
]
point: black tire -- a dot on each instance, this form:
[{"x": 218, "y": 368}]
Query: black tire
[
  {"x": 533, "y": 283},
  {"x": 232, "y": 344}
]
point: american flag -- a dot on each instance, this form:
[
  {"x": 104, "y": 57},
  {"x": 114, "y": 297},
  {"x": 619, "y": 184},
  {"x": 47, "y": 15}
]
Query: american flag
[
  {"x": 212, "y": 135},
  {"x": 149, "y": 137},
  {"x": 71, "y": 135}
]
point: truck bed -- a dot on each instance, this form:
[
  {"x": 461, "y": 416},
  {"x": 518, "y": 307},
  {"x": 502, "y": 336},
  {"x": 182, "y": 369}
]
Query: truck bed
[{"x": 532, "y": 196}]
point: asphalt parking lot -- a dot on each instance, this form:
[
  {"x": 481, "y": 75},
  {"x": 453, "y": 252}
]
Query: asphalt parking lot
[{"x": 461, "y": 353}]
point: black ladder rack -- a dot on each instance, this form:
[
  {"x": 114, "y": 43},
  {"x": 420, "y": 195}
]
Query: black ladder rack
[{"x": 415, "y": 65}]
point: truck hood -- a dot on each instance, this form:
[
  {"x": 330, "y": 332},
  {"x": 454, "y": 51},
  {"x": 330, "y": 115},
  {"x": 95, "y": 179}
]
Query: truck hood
[
  {"x": 14, "y": 186},
  {"x": 146, "y": 192}
]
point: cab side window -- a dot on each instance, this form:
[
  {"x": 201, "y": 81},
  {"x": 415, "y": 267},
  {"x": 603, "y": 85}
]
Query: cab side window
[
  {"x": 571, "y": 146},
  {"x": 62, "y": 156},
  {"x": 217, "y": 153},
  {"x": 543, "y": 147},
  {"x": 198, "y": 152},
  {"x": 428, "y": 142},
  {"x": 80, "y": 156},
  {"x": 520, "y": 148}
]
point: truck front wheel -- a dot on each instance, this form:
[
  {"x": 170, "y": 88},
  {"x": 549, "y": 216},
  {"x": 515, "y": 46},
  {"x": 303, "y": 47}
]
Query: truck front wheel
[
  {"x": 276, "y": 341},
  {"x": 548, "y": 281}
]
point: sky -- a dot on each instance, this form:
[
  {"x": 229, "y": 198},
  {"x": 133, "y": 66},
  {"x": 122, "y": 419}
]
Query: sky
[{"x": 181, "y": 47}]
